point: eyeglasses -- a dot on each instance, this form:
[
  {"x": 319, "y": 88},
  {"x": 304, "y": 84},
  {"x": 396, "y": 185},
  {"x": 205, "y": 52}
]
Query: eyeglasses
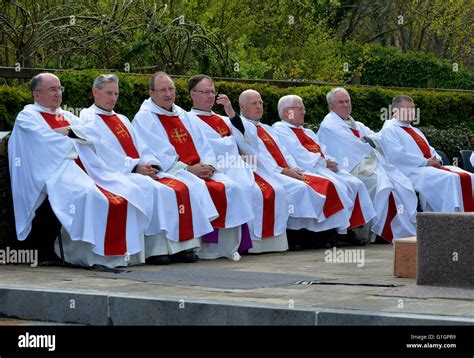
[
  {"x": 55, "y": 89},
  {"x": 164, "y": 90},
  {"x": 301, "y": 108},
  {"x": 206, "y": 93}
]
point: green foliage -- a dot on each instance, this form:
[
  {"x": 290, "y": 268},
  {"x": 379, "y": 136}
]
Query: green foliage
[
  {"x": 387, "y": 66},
  {"x": 450, "y": 140},
  {"x": 12, "y": 101},
  {"x": 308, "y": 40},
  {"x": 444, "y": 111}
]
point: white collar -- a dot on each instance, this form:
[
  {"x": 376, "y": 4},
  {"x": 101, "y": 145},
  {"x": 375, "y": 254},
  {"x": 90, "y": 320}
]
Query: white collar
[
  {"x": 99, "y": 110},
  {"x": 291, "y": 125},
  {"x": 157, "y": 109},
  {"x": 255, "y": 123},
  {"x": 346, "y": 121},
  {"x": 44, "y": 109},
  {"x": 201, "y": 112},
  {"x": 398, "y": 123}
]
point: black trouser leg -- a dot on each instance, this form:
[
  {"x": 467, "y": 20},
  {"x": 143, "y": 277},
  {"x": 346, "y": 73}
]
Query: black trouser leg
[
  {"x": 295, "y": 239},
  {"x": 45, "y": 230}
]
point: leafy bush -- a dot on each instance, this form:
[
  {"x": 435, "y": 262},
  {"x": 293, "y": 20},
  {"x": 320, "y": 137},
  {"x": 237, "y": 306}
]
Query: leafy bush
[
  {"x": 450, "y": 140},
  {"x": 387, "y": 66},
  {"x": 442, "y": 110}
]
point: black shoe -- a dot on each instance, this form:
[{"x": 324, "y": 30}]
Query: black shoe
[
  {"x": 380, "y": 240},
  {"x": 316, "y": 240},
  {"x": 51, "y": 262},
  {"x": 158, "y": 260},
  {"x": 104, "y": 268},
  {"x": 184, "y": 257},
  {"x": 352, "y": 239},
  {"x": 294, "y": 247}
]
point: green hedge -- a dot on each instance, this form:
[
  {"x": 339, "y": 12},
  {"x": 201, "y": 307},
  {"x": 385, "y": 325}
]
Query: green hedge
[
  {"x": 440, "y": 109},
  {"x": 388, "y": 66}
]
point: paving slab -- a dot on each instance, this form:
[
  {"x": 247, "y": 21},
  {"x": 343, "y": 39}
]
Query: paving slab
[{"x": 288, "y": 288}]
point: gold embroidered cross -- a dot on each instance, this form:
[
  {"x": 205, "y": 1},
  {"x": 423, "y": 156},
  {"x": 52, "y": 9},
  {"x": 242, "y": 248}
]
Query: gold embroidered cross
[
  {"x": 115, "y": 199},
  {"x": 121, "y": 131},
  {"x": 169, "y": 183},
  {"x": 179, "y": 135},
  {"x": 221, "y": 131}
]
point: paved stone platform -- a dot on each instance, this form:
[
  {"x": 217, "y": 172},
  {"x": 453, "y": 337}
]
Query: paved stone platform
[{"x": 290, "y": 288}]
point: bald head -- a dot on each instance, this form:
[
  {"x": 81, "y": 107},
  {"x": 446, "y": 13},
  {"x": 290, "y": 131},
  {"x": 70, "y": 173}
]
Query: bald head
[
  {"x": 47, "y": 91},
  {"x": 38, "y": 79},
  {"x": 246, "y": 95},
  {"x": 251, "y": 105}
]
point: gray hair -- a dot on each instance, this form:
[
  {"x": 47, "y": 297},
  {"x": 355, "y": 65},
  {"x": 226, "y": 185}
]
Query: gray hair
[
  {"x": 38, "y": 80},
  {"x": 398, "y": 100},
  {"x": 286, "y": 102},
  {"x": 332, "y": 94},
  {"x": 101, "y": 80}
]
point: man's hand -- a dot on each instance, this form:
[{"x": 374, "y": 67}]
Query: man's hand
[
  {"x": 147, "y": 169},
  {"x": 203, "y": 171},
  {"x": 225, "y": 101},
  {"x": 62, "y": 130},
  {"x": 331, "y": 165},
  {"x": 293, "y": 173},
  {"x": 434, "y": 162}
]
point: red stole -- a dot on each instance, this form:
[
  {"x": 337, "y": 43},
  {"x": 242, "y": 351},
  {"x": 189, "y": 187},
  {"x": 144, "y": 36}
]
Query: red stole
[
  {"x": 185, "y": 214},
  {"x": 420, "y": 142},
  {"x": 307, "y": 142},
  {"x": 324, "y": 186},
  {"x": 387, "y": 233},
  {"x": 55, "y": 120},
  {"x": 183, "y": 143},
  {"x": 272, "y": 147},
  {"x": 268, "y": 194},
  {"x": 466, "y": 182},
  {"x": 115, "y": 241},
  {"x": 180, "y": 138},
  {"x": 355, "y": 132},
  {"x": 357, "y": 217},
  {"x": 122, "y": 134},
  {"x": 217, "y": 123}
]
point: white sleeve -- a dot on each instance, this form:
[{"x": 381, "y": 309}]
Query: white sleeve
[{"x": 396, "y": 153}]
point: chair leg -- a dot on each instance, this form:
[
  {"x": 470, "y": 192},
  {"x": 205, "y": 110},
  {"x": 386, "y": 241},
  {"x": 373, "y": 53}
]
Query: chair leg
[{"x": 61, "y": 250}]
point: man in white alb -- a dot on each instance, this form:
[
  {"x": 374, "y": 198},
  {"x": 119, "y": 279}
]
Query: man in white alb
[
  {"x": 303, "y": 144},
  {"x": 103, "y": 214},
  {"x": 270, "y": 208},
  {"x": 442, "y": 188},
  {"x": 163, "y": 126},
  {"x": 355, "y": 147},
  {"x": 182, "y": 204},
  {"x": 315, "y": 202}
]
